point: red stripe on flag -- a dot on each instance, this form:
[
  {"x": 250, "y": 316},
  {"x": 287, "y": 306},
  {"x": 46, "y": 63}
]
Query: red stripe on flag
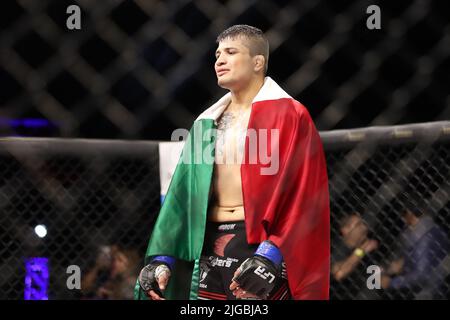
[{"x": 212, "y": 295}]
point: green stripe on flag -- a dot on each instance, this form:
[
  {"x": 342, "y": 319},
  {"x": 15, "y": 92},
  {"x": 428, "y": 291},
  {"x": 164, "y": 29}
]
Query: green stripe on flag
[{"x": 180, "y": 227}]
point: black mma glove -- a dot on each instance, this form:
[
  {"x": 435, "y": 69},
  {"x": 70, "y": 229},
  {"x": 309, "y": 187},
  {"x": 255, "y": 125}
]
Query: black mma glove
[
  {"x": 259, "y": 273},
  {"x": 149, "y": 275}
]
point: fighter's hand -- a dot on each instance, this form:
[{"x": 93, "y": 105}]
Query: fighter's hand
[
  {"x": 238, "y": 292},
  {"x": 255, "y": 278},
  {"x": 153, "y": 279},
  {"x": 162, "y": 281}
]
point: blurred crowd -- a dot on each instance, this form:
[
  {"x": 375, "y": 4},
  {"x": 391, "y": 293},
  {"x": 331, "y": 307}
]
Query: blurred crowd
[
  {"x": 113, "y": 275},
  {"x": 417, "y": 269}
]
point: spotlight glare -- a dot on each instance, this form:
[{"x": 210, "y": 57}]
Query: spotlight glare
[{"x": 40, "y": 230}]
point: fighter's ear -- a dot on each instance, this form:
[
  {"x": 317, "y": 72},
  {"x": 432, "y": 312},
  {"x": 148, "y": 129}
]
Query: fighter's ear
[{"x": 259, "y": 62}]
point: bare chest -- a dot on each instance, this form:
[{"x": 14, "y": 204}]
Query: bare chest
[{"x": 231, "y": 134}]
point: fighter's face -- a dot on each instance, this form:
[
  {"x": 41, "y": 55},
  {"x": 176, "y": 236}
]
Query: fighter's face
[{"x": 234, "y": 65}]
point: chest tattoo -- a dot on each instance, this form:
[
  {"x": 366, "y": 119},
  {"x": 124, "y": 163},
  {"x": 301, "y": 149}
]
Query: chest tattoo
[{"x": 231, "y": 133}]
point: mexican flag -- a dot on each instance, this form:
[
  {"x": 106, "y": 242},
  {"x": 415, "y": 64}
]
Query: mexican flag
[{"x": 285, "y": 199}]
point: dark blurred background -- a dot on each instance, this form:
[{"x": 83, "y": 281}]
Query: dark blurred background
[{"x": 140, "y": 69}]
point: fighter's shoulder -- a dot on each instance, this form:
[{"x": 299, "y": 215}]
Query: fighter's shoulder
[{"x": 294, "y": 108}]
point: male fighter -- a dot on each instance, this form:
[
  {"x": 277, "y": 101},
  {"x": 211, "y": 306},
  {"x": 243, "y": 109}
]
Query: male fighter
[{"x": 255, "y": 221}]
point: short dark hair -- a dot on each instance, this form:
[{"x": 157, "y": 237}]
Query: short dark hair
[{"x": 258, "y": 43}]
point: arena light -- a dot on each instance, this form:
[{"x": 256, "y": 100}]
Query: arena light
[{"x": 40, "y": 230}]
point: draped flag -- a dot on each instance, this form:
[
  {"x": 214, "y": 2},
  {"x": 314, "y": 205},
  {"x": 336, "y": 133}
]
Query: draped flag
[{"x": 285, "y": 193}]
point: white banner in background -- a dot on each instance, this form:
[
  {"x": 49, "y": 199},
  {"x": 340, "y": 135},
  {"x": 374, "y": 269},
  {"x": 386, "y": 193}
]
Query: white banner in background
[{"x": 169, "y": 154}]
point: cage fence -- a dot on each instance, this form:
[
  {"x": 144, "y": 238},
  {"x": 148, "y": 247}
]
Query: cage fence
[
  {"x": 92, "y": 194},
  {"x": 139, "y": 69}
]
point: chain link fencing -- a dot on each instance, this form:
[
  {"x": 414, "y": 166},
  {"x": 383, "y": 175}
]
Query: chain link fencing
[
  {"x": 88, "y": 194},
  {"x": 95, "y": 193},
  {"x": 139, "y": 69},
  {"x": 377, "y": 175}
]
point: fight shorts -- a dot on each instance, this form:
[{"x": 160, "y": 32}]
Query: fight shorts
[{"x": 224, "y": 249}]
